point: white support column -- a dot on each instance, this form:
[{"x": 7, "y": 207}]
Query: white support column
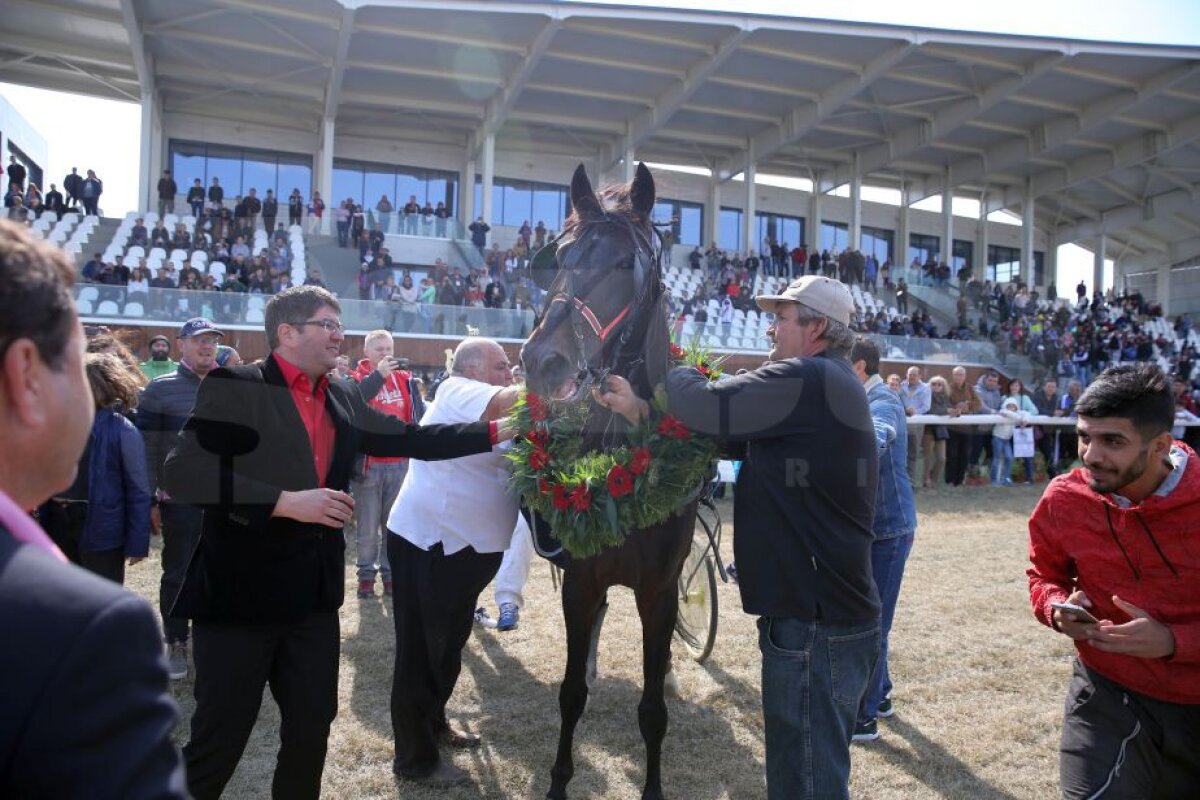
[
  {"x": 982, "y": 241},
  {"x": 713, "y": 217},
  {"x": 630, "y": 164},
  {"x": 749, "y": 228},
  {"x": 855, "y": 232},
  {"x": 947, "y": 248},
  {"x": 466, "y": 192},
  {"x": 147, "y": 187},
  {"x": 1027, "y": 220},
  {"x": 489, "y": 176},
  {"x": 1052, "y": 265},
  {"x": 1098, "y": 265},
  {"x": 325, "y": 174},
  {"x": 814, "y": 215},
  {"x": 900, "y": 246}
]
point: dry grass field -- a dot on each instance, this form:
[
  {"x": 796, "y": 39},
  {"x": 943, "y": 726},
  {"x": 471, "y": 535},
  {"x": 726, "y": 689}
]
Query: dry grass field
[{"x": 979, "y": 687}]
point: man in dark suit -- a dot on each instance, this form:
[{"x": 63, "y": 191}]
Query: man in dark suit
[
  {"x": 268, "y": 454},
  {"x": 84, "y": 711}
]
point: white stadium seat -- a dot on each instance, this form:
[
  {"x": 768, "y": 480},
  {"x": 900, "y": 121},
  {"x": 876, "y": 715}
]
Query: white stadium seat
[
  {"x": 134, "y": 310},
  {"x": 108, "y": 308}
]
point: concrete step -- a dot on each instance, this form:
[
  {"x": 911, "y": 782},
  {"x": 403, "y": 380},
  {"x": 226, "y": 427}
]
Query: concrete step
[{"x": 98, "y": 242}]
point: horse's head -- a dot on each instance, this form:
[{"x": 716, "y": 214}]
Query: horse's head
[{"x": 602, "y": 281}]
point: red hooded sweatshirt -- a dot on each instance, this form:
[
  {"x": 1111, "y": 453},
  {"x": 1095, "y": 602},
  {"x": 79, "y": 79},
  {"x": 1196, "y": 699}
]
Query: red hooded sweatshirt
[{"x": 1147, "y": 554}]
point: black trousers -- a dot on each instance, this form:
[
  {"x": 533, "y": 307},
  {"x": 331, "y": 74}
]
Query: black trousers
[
  {"x": 1121, "y": 745},
  {"x": 105, "y": 563},
  {"x": 180, "y": 532},
  {"x": 958, "y": 452},
  {"x": 433, "y": 613},
  {"x": 299, "y": 661},
  {"x": 63, "y": 523}
]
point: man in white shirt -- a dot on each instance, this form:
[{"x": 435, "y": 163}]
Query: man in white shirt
[
  {"x": 916, "y": 397},
  {"x": 449, "y": 528}
]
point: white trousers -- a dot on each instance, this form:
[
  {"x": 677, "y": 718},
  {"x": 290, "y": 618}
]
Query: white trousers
[{"x": 514, "y": 569}]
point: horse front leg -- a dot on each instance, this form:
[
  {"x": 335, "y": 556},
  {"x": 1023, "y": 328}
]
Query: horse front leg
[
  {"x": 580, "y": 606},
  {"x": 658, "y": 612}
]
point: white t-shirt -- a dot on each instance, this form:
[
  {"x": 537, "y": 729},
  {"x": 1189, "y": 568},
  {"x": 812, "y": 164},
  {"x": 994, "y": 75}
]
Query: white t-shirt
[{"x": 461, "y": 502}]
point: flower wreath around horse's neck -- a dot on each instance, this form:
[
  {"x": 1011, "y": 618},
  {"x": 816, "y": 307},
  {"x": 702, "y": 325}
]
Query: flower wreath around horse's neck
[{"x": 592, "y": 500}]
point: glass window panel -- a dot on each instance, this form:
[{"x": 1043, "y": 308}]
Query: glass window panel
[
  {"x": 518, "y": 201},
  {"x": 730, "y": 232},
  {"x": 923, "y": 248},
  {"x": 408, "y": 185},
  {"x": 834, "y": 236},
  {"x": 547, "y": 208},
  {"x": 1039, "y": 268},
  {"x": 691, "y": 224},
  {"x": 258, "y": 175},
  {"x": 228, "y": 171},
  {"x": 376, "y": 184},
  {"x": 964, "y": 255},
  {"x": 436, "y": 190},
  {"x": 790, "y": 231},
  {"x": 186, "y": 167},
  {"x": 497, "y": 205},
  {"x": 664, "y": 211},
  {"x": 294, "y": 176},
  {"x": 764, "y": 226},
  {"x": 347, "y": 183}
]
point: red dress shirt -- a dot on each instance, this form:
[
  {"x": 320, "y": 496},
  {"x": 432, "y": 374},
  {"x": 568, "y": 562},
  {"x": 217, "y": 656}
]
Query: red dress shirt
[{"x": 310, "y": 403}]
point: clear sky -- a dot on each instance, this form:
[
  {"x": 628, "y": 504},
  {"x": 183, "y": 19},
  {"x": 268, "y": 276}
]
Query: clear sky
[{"x": 104, "y": 135}]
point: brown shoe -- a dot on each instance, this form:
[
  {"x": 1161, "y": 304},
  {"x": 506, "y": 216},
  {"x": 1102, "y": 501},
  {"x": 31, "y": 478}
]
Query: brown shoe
[
  {"x": 444, "y": 775},
  {"x": 458, "y": 740}
]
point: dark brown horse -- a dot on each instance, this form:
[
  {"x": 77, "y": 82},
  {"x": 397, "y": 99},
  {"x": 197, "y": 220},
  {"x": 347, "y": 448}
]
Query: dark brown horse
[{"x": 605, "y": 311}]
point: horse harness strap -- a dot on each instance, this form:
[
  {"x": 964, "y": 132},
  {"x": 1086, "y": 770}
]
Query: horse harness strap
[{"x": 592, "y": 320}]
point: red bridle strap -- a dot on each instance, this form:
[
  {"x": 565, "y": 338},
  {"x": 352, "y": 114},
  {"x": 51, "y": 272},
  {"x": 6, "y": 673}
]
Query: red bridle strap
[{"x": 601, "y": 332}]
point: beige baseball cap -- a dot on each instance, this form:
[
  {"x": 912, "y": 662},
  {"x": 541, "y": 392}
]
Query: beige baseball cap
[{"x": 823, "y": 295}]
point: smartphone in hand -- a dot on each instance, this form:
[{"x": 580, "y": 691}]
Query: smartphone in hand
[{"x": 1081, "y": 614}]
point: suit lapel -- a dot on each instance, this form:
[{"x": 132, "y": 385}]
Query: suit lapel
[{"x": 338, "y": 406}]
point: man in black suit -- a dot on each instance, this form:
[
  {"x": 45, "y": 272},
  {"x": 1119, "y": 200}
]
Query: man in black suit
[
  {"x": 268, "y": 454},
  {"x": 84, "y": 711}
]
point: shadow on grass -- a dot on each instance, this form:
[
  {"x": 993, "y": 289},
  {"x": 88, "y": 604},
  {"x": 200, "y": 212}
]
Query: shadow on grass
[
  {"x": 526, "y": 732},
  {"x": 936, "y": 768},
  {"x": 372, "y": 651}
]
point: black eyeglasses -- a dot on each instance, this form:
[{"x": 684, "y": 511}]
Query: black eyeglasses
[{"x": 330, "y": 325}]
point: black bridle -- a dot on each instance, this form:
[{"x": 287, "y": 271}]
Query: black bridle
[{"x": 647, "y": 271}]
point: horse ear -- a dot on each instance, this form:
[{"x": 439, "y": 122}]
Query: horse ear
[
  {"x": 583, "y": 197},
  {"x": 642, "y": 191}
]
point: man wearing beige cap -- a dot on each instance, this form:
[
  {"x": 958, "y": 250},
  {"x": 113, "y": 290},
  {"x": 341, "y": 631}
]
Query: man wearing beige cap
[{"x": 803, "y": 510}]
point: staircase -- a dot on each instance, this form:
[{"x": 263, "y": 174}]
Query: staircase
[
  {"x": 98, "y": 242},
  {"x": 338, "y": 265}
]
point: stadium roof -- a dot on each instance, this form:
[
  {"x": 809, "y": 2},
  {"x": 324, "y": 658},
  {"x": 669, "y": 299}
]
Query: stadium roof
[{"x": 1104, "y": 136}]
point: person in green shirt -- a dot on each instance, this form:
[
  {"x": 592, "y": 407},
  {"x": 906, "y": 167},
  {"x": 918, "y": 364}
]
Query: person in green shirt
[{"x": 160, "y": 362}]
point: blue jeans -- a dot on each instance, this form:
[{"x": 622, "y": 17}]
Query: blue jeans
[
  {"x": 813, "y": 678},
  {"x": 888, "y": 557},
  {"x": 1001, "y": 460},
  {"x": 374, "y": 493}
]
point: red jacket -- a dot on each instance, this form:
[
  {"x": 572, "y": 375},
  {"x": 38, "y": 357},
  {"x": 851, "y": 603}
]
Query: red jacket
[
  {"x": 1073, "y": 544},
  {"x": 393, "y": 399}
]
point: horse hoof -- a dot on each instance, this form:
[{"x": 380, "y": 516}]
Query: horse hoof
[{"x": 671, "y": 685}]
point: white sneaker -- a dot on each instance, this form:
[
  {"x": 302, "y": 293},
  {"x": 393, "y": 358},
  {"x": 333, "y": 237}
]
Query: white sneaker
[{"x": 177, "y": 660}]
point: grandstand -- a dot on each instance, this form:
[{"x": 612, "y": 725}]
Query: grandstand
[{"x": 1087, "y": 142}]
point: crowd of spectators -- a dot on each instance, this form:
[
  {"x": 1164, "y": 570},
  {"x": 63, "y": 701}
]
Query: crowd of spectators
[{"x": 25, "y": 202}]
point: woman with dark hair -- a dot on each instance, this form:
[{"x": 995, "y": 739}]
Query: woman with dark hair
[{"x": 102, "y": 522}]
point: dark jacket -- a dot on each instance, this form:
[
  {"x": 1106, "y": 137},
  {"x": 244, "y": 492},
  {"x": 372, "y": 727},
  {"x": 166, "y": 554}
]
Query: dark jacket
[
  {"x": 118, "y": 512},
  {"x": 195, "y": 194},
  {"x": 805, "y": 497},
  {"x": 243, "y": 445},
  {"x": 86, "y": 711},
  {"x": 163, "y": 408}
]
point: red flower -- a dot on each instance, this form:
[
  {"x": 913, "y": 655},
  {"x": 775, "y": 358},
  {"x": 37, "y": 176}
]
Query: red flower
[
  {"x": 640, "y": 462},
  {"x": 543, "y": 486},
  {"x": 538, "y": 458},
  {"x": 538, "y": 437},
  {"x": 537, "y": 408},
  {"x": 677, "y": 352},
  {"x": 581, "y": 498},
  {"x": 561, "y": 501},
  {"x": 620, "y": 482},
  {"x": 671, "y": 426}
]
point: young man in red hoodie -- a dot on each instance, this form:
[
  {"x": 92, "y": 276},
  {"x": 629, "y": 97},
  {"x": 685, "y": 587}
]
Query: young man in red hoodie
[
  {"x": 387, "y": 388},
  {"x": 1121, "y": 539}
]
